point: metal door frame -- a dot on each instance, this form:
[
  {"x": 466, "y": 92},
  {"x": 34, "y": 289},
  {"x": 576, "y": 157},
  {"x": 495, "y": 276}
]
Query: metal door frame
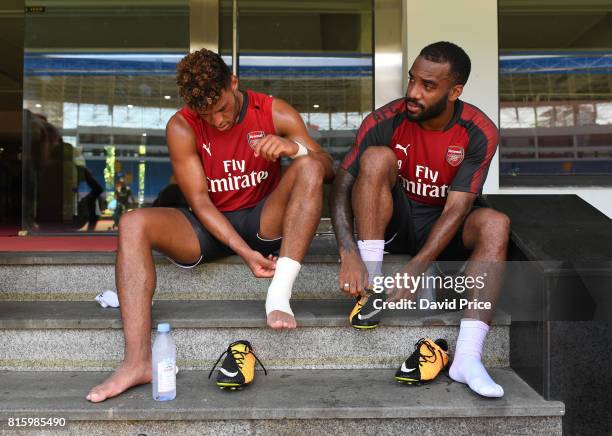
[{"x": 388, "y": 36}]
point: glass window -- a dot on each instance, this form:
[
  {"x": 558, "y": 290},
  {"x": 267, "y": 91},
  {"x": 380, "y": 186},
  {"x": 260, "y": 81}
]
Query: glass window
[
  {"x": 555, "y": 93},
  {"x": 316, "y": 55},
  {"x": 99, "y": 88}
]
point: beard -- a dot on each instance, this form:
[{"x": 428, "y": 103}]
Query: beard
[{"x": 428, "y": 113}]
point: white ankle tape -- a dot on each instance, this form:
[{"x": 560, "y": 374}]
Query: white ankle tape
[{"x": 279, "y": 292}]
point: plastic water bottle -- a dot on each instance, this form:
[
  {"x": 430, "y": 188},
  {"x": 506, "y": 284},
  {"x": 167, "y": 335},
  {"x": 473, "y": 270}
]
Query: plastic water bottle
[{"x": 164, "y": 364}]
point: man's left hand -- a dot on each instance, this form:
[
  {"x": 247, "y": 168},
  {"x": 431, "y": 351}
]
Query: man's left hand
[{"x": 272, "y": 147}]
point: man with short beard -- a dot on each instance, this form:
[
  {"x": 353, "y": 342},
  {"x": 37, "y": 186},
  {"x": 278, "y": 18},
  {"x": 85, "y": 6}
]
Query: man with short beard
[
  {"x": 410, "y": 182},
  {"x": 225, "y": 146}
]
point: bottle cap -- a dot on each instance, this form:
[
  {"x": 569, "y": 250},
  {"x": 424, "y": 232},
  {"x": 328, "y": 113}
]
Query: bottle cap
[{"x": 163, "y": 327}]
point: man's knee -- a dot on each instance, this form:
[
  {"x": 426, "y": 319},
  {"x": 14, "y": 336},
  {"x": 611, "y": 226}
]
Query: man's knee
[
  {"x": 310, "y": 170},
  {"x": 132, "y": 223},
  {"x": 494, "y": 227},
  {"x": 378, "y": 161}
]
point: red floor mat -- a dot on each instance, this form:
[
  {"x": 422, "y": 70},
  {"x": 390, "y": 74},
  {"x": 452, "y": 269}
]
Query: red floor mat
[
  {"x": 58, "y": 243},
  {"x": 9, "y": 230}
]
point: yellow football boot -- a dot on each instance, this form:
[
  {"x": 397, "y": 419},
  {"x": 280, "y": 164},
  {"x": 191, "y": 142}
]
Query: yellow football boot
[
  {"x": 238, "y": 368},
  {"x": 366, "y": 314},
  {"x": 425, "y": 363}
]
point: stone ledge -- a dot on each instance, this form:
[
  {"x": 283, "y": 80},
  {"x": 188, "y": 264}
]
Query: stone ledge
[
  {"x": 514, "y": 425},
  {"x": 209, "y": 314},
  {"x": 304, "y": 394}
]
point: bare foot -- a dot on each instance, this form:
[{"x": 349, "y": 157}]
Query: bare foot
[
  {"x": 281, "y": 320},
  {"x": 122, "y": 379}
]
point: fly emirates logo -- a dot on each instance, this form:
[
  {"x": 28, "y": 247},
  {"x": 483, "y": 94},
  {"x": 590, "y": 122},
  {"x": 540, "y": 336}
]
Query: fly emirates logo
[
  {"x": 425, "y": 184},
  {"x": 233, "y": 181}
]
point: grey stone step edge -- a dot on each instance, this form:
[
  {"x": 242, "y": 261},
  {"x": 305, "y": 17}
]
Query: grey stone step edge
[
  {"x": 56, "y": 279},
  {"x": 69, "y": 336},
  {"x": 283, "y": 394},
  {"x": 108, "y": 258},
  {"x": 211, "y": 314}
]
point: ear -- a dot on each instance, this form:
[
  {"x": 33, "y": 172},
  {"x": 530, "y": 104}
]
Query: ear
[{"x": 455, "y": 92}]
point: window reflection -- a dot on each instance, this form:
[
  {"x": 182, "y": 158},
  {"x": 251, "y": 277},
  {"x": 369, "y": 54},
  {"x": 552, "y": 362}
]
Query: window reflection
[
  {"x": 555, "y": 95},
  {"x": 316, "y": 55},
  {"x": 105, "y": 82}
]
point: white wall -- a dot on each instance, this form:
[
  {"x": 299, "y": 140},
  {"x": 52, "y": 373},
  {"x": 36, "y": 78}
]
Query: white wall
[{"x": 472, "y": 24}]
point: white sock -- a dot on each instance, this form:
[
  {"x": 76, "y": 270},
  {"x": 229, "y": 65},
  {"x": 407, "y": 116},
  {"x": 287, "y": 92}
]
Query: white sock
[
  {"x": 279, "y": 292},
  {"x": 467, "y": 366},
  {"x": 372, "y": 252}
]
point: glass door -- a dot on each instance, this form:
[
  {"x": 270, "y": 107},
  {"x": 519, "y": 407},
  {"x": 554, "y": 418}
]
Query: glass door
[{"x": 99, "y": 88}]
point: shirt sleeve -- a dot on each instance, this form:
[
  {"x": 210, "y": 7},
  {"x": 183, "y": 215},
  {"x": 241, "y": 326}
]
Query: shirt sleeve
[
  {"x": 376, "y": 129},
  {"x": 483, "y": 139}
]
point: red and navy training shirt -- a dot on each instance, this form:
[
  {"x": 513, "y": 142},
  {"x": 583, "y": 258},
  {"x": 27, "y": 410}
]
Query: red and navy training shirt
[{"x": 430, "y": 163}]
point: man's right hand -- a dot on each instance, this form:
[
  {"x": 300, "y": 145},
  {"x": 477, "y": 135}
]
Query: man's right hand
[
  {"x": 259, "y": 265},
  {"x": 354, "y": 273}
]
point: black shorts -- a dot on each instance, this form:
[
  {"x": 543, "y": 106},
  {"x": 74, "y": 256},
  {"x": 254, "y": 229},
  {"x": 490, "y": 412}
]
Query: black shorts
[
  {"x": 246, "y": 223},
  {"x": 410, "y": 225}
]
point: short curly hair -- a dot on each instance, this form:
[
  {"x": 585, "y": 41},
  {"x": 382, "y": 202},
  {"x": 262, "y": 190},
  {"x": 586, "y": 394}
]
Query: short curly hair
[
  {"x": 201, "y": 77},
  {"x": 443, "y": 52}
]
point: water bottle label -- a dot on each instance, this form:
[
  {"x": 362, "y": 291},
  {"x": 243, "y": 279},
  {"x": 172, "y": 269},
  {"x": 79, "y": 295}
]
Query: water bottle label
[{"x": 166, "y": 376}]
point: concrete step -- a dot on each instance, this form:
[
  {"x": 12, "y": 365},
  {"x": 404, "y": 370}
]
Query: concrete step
[
  {"x": 229, "y": 278},
  {"x": 81, "y": 276},
  {"x": 285, "y": 402},
  {"x": 82, "y": 336}
]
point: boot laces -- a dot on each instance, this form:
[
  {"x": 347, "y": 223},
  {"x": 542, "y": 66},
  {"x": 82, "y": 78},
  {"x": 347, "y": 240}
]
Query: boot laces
[
  {"x": 238, "y": 356},
  {"x": 426, "y": 358}
]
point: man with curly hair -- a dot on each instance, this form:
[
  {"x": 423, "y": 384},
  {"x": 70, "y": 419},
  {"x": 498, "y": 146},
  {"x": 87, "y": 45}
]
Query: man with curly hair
[{"x": 225, "y": 146}]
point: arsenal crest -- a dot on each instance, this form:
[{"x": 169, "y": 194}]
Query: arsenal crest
[
  {"x": 254, "y": 137},
  {"x": 454, "y": 155}
]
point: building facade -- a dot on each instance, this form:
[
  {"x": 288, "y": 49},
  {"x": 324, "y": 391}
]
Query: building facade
[{"x": 87, "y": 87}]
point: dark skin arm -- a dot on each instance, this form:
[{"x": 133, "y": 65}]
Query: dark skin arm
[
  {"x": 458, "y": 205},
  {"x": 352, "y": 269},
  {"x": 290, "y": 127},
  {"x": 191, "y": 179}
]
